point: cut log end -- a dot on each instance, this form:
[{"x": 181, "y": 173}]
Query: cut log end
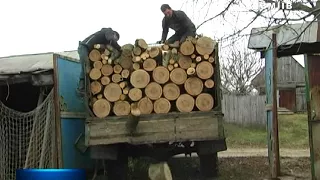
[
  {"x": 193, "y": 86},
  {"x": 185, "y": 103},
  {"x": 154, "y": 52},
  {"x": 97, "y": 64},
  {"x": 153, "y": 91},
  {"x": 121, "y": 108},
  {"x": 145, "y": 105},
  {"x": 162, "y": 105},
  {"x": 149, "y": 64},
  {"x": 184, "y": 62},
  {"x": 141, "y": 43},
  {"x": 178, "y": 76},
  {"x": 96, "y": 87},
  {"x": 209, "y": 83},
  {"x": 204, "y": 102},
  {"x": 191, "y": 71},
  {"x": 105, "y": 80},
  {"x": 187, "y": 48},
  {"x": 117, "y": 69},
  {"x": 204, "y": 70},
  {"x": 171, "y": 91},
  {"x": 95, "y": 74},
  {"x": 139, "y": 78},
  {"x": 95, "y": 55},
  {"x": 135, "y": 94},
  {"x": 125, "y": 73},
  {"x": 112, "y": 92},
  {"x": 101, "y": 108},
  {"x": 205, "y": 45},
  {"x": 107, "y": 70},
  {"x": 161, "y": 75},
  {"x": 116, "y": 78}
]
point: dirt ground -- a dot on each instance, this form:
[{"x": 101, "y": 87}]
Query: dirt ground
[{"x": 237, "y": 168}]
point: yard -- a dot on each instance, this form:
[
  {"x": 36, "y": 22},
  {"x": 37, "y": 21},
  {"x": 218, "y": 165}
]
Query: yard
[{"x": 293, "y": 134}]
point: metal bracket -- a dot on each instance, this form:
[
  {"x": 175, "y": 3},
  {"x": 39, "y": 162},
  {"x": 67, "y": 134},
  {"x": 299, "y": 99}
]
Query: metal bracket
[{"x": 80, "y": 144}]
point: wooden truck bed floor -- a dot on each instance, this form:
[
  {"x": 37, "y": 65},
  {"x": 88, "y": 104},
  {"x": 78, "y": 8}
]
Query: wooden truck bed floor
[{"x": 156, "y": 128}]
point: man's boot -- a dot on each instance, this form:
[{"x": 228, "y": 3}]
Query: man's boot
[{"x": 175, "y": 44}]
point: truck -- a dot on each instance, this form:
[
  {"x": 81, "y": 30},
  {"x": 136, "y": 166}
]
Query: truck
[{"x": 161, "y": 136}]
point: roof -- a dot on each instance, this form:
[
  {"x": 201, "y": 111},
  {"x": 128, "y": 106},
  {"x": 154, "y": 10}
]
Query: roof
[
  {"x": 31, "y": 63},
  {"x": 260, "y": 38}
]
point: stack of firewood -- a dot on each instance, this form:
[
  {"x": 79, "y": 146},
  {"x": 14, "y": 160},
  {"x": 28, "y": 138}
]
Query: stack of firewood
[{"x": 145, "y": 80}]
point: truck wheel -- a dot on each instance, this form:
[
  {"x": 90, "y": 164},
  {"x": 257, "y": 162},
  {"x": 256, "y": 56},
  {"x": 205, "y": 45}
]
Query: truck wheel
[
  {"x": 209, "y": 165},
  {"x": 117, "y": 169}
]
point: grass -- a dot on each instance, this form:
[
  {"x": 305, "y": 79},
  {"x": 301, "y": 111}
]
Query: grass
[{"x": 293, "y": 133}]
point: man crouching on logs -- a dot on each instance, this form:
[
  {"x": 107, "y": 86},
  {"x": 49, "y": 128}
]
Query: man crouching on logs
[
  {"x": 179, "y": 22},
  {"x": 105, "y": 36}
]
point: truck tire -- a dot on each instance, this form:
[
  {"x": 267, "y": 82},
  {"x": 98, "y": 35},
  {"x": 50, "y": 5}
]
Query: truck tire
[
  {"x": 117, "y": 169},
  {"x": 208, "y": 165}
]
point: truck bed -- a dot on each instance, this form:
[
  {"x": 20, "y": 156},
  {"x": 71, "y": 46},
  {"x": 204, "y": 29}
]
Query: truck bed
[{"x": 156, "y": 128}]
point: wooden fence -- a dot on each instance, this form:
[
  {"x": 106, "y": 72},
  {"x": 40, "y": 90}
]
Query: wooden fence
[{"x": 244, "y": 110}]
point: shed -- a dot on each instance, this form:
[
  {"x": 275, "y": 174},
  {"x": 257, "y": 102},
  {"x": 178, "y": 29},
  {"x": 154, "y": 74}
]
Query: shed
[{"x": 291, "y": 84}]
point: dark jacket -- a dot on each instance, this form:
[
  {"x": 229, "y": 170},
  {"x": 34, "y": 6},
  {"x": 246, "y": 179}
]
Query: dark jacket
[
  {"x": 179, "y": 22},
  {"x": 104, "y": 36}
]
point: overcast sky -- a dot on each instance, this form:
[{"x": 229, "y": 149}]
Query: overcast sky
[{"x": 37, "y": 26}]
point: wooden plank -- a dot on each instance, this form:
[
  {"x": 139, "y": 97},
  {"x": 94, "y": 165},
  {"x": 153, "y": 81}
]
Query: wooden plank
[{"x": 162, "y": 128}]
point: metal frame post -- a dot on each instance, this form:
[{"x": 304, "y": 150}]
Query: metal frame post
[{"x": 271, "y": 107}]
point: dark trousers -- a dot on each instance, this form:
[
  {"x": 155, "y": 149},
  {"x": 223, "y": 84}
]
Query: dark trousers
[{"x": 181, "y": 36}]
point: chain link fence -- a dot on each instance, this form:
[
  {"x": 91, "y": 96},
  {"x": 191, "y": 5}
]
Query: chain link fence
[{"x": 26, "y": 139}]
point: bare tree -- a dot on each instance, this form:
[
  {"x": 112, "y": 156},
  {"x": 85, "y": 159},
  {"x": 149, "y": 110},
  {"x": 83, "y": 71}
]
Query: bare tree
[{"x": 238, "y": 69}]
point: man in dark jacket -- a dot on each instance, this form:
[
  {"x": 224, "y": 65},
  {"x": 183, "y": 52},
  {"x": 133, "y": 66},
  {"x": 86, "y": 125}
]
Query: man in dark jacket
[
  {"x": 179, "y": 22},
  {"x": 104, "y": 36}
]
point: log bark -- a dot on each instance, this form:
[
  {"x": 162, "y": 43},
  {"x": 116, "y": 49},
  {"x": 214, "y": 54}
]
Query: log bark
[
  {"x": 171, "y": 91},
  {"x": 193, "y": 86},
  {"x": 125, "y": 73},
  {"x": 205, "y": 45},
  {"x": 127, "y": 50},
  {"x": 95, "y": 74},
  {"x": 153, "y": 91},
  {"x": 105, "y": 80},
  {"x": 184, "y": 62},
  {"x": 154, "y": 52},
  {"x": 135, "y": 94},
  {"x": 204, "y": 70},
  {"x": 149, "y": 64},
  {"x": 204, "y": 102},
  {"x": 117, "y": 69},
  {"x": 95, "y": 55},
  {"x": 178, "y": 76},
  {"x": 112, "y": 92},
  {"x": 160, "y": 171},
  {"x": 145, "y": 105},
  {"x": 185, "y": 103},
  {"x": 187, "y": 48},
  {"x": 95, "y": 87},
  {"x": 161, "y": 106},
  {"x": 139, "y": 78},
  {"x": 209, "y": 83},
  {"x": 121, "y": 108},
  {"x": 116, "y": 78},
  {"x": 161, "y": 75},
  {"x": 141, "y": 43},
  {"x": 107, "y": 70},
  {"x": 97, "y": 64},
  {"x": 101, "y": 108}
]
